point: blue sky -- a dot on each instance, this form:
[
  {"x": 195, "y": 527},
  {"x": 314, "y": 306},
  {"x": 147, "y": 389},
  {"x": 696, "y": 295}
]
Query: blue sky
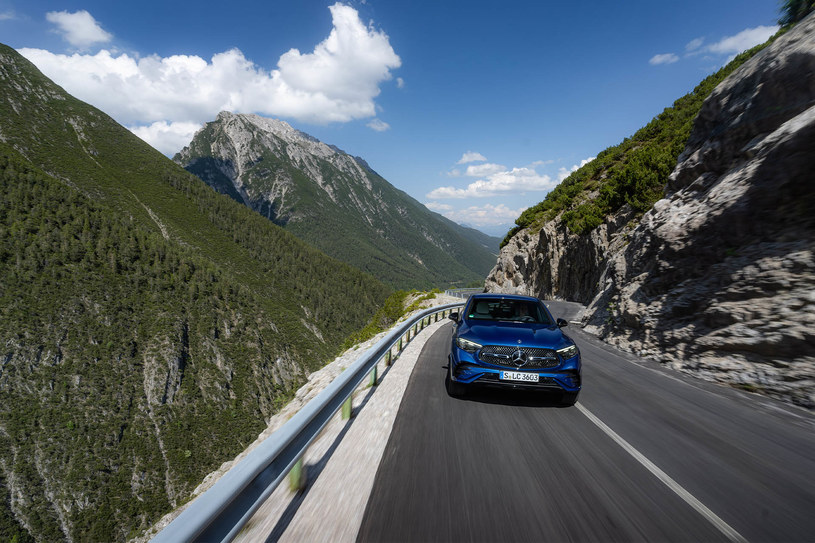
[{"x": 476, "y": 109}]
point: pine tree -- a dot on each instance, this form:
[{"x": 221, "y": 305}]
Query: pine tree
[{"x": 793, "y": 11}]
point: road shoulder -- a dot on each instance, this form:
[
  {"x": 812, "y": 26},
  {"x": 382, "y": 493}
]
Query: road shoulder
[{"x": 346, "y": 457}]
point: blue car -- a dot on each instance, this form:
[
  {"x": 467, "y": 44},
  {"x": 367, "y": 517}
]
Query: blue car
[{"x": 512, "y": 342}]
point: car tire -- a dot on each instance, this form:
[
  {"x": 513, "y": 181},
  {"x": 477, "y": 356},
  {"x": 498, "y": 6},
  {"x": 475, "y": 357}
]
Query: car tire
[
  {"x": 454, "y": 389},
  {"x": 568, "y": 399}
]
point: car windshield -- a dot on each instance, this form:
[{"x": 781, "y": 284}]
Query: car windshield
[{"x": 498, "y": 309}]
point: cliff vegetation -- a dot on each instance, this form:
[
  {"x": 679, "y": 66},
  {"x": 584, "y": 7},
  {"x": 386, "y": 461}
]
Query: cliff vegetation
[{"x": 634, "y": 172}]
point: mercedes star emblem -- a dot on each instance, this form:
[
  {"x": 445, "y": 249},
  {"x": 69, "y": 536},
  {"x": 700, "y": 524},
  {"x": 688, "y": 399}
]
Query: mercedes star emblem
[{"x": 519, "y": 358}]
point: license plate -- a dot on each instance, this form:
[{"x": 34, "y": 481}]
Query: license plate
[{"x": 520, "y": 376}]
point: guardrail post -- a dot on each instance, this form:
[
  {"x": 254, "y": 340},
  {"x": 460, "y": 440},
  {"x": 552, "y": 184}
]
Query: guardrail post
[
  {"x": 399, "y": 350},
  {"x": 348, "y": 407},
  {"x": 297, "y": 476},
  {"x": 388, "y": 358},
  {"x": 373, "y": 377}
]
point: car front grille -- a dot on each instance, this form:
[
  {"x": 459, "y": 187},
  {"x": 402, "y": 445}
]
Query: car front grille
[{"x": 509, "y": 356}]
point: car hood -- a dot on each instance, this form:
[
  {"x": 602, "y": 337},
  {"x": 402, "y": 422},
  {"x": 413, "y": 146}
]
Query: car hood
[{"x": 509, "y": 333}]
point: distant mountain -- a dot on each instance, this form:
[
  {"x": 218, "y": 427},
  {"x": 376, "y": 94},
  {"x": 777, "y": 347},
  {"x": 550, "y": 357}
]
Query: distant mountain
[
  {"x": 335, "y": 202},
  {"x": 149, "y": 326},
  {"x": 490, "y": 243}
]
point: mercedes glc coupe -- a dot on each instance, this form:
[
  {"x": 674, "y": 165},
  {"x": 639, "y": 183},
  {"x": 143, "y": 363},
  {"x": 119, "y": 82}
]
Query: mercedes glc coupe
[{"x": 512, "y": 342}]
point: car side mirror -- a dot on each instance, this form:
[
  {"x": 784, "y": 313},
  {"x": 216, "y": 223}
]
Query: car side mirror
[
  {"x": 561, "y": 323},
  {"x": 453, "y": 316}
]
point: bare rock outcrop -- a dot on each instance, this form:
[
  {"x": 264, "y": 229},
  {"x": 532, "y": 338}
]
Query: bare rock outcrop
[
  {"x": 553, "y": 263},
  {"x": 718, "y": 278}
]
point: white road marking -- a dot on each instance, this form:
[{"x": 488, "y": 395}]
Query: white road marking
[{"x": 721, "y": 525}]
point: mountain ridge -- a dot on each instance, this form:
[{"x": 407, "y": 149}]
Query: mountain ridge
[
  {"x": 335, "y": 201},
  {"x": 148, "y": 325}
]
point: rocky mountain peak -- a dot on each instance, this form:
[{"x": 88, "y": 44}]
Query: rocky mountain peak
[
  {"x": 332, "y": 200},
  {"x": 246, "y": 137}
]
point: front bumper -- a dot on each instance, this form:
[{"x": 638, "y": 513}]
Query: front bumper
[{"x": 466, "y": 369}]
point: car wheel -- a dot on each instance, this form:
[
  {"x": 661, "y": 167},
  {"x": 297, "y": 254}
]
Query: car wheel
[
  {"x": 568, "y": 399},
  {"x": 453, "y": 389}
]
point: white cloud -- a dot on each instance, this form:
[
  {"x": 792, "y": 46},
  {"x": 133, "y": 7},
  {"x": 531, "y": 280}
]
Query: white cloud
[
  {"x": 337, "y": 82},
  {"x": 378, "y": 125},
  {"x": 742, "y": 41},
  {"x": 484, "y": 170},
  {"x": 7, "y": 16},
  {"x": 167, "y": 137},
  {"x": 499, "y": 183},
  {"x": 400, "y": 83},
  {"x": 79, "y": 29},
  {"x": 150, "y": 89},
  {"x": 563, "y": 173},
  {"x": 438, "y": 207},
  {"x": 693, "y": 45},
  {"x": 729, "y": 46},
  {"x": 349, "y": 64},
  {"x": 471, "y": 156},
  {"x": 479, "y": 216},
  {"x": 667, "y": 58}
]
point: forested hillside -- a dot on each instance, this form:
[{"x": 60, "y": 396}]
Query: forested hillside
[{"x": 148, "y": 325}]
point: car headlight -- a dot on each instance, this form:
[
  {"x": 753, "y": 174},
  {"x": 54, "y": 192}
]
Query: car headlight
[
  {"x": 568, "y": 352},
  {"x": 467, "y": 345}
]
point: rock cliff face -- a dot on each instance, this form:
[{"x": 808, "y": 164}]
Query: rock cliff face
[
  {"x": 554, "y": 263},
  {"x": 718, "y": 278}
]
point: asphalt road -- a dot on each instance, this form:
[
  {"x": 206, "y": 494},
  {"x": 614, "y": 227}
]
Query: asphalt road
[{"x": 646, "y": 455}]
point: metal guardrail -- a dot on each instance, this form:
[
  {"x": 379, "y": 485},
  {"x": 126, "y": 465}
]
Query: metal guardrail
[
  {"x": 222, "y": 511},
  {"x": 463, "y": 292}
]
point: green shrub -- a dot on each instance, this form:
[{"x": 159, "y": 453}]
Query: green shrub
[{"x": 634, "y": 172}]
